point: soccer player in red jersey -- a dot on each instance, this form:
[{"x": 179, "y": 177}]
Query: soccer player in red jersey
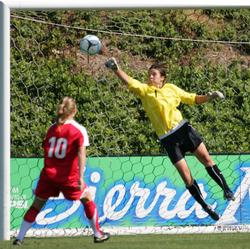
[{"x": 64, "y": 163}]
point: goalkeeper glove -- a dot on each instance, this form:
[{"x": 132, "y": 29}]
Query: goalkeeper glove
[
  {"x": 112, "y": 64},
  {"x": 215, "y": 95}
]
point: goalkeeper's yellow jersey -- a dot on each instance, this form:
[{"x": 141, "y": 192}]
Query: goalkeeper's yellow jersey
[{"x": 161, "y": 104}]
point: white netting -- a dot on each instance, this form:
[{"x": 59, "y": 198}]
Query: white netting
[{"x": 204, "y": 50}]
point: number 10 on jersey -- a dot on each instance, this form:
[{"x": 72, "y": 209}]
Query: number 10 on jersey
[{"x": 58, "y": 147}]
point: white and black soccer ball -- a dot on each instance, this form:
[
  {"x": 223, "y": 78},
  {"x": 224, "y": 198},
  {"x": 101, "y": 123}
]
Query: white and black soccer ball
[{"x": 90, "y": 44}]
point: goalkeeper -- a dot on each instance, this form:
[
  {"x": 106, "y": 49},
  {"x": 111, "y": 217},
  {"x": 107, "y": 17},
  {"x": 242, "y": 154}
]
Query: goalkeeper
[{"x": 160, "y": 101}]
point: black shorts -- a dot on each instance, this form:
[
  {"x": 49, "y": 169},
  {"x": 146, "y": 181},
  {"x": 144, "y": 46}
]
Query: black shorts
[{"x": 185, "y": 139}]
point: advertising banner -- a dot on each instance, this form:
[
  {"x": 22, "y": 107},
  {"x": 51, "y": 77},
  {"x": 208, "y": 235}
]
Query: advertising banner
[{"x": 137, "y": 191}]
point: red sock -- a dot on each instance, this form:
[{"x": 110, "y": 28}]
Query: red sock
[
  {"x": 31, "y": 214},
  {"x": 91, "y": 213}
]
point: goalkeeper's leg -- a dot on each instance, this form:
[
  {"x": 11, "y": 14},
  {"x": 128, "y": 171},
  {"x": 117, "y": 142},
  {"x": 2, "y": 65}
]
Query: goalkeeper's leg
[
  {"x": 196, "y": 193},
  {"x": 193, "y": 188},
  {"x": 214, "y": 172},
  {"x": 217, "y": 176}
]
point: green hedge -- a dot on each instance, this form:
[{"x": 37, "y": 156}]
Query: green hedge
[{"x": 44, "y": 67}]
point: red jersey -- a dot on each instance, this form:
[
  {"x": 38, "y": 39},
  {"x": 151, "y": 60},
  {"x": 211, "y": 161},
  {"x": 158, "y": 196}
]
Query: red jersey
[{"x": 61, "y": 151}]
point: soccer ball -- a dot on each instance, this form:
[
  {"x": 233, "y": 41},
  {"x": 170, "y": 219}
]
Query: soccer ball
[{"x": 90, "y": 44}]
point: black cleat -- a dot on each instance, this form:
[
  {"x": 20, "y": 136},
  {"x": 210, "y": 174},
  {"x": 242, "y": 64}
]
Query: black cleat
[
  {"x": 17, "y": 242},
  {"x": 212, "y": 213},
  {"x": 228, "y": 195},
  {"x": 104, "y": 237}
]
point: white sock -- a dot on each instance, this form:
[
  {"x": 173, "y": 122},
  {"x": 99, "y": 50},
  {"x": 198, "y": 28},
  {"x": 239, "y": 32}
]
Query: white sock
[
  {"x": 94, "y": 225},
  {"x": 23, "y": 229}
]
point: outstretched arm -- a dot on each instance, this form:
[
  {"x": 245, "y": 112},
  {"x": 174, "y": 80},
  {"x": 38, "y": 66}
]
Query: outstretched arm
[
  {"x": 199, "y": 99},
  {"x": 113, "y": 65}
]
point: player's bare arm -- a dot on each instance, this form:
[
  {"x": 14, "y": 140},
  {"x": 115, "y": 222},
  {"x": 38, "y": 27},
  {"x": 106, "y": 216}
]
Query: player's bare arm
[
  {"x": 200, "y": 99},
  {"x": 81, "y": 164}
]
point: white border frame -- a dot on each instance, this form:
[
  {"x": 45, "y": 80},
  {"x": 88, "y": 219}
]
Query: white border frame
[
  {"x": 101, "y": 4},
  {"x": 5, "y": 69}
]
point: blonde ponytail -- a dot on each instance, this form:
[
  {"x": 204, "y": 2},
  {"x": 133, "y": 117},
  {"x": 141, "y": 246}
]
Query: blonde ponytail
[{"x": 66, "y": 107}]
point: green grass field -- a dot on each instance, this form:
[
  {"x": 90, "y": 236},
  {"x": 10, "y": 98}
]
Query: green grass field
[{"x": 196, "y": 241}]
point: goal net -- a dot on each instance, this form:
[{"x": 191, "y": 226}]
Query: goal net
[{"x": 136, "y": 188}]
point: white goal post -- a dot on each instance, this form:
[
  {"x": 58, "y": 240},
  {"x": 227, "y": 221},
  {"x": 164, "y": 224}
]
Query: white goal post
[
  {"x": 4, "y": 122},
  {"x": 5, "y": 152}
]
